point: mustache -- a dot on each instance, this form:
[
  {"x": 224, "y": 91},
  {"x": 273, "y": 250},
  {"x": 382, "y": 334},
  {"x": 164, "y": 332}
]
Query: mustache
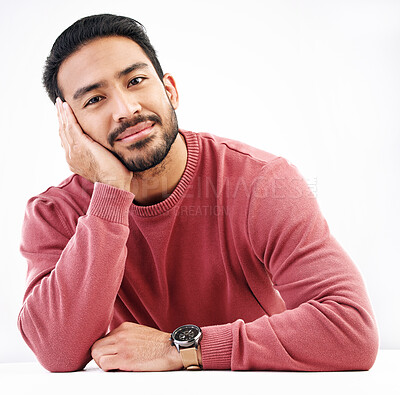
[{"x": 127, "y": 124}]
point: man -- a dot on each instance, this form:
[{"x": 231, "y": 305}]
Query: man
[{"x": 160, "y": 228}]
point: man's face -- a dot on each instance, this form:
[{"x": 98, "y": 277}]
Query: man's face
[{"x": 111, "y": 86}]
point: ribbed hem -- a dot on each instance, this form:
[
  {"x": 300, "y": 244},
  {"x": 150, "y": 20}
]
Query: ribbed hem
[
  {"x": 110, "y": 203},
  {"x": 193, "y": 150},
  {"x": 216, "y": 347}
]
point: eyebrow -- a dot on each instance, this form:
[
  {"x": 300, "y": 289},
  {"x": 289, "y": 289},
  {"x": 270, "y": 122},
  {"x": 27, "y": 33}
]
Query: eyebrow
[
  {"x": 88, "y": 88},
  {"x": 131, "y": 68}
]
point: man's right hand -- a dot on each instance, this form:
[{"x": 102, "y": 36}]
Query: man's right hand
[{"x": 87, "y": 157}]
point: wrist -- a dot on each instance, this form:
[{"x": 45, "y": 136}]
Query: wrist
[
  {"x": 175, "y": 360},
  {"x": 122, "y": 187},
  {"x": 115, "y": 181},
  {"x": 186, "y": 340},
  {"x": 125, "y": 186}
]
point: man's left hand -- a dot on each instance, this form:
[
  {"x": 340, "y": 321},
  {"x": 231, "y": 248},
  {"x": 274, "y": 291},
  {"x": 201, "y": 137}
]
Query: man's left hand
[{"x": 134, "y": 347}]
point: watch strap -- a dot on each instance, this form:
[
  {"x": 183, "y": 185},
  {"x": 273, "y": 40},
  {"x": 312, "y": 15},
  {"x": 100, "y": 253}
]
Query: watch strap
[{"x": 189, "y": 358}]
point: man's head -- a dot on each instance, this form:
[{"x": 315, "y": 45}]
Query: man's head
[
  {"x": 106, "y": 69},
  {"x": 88, "y": 29}
]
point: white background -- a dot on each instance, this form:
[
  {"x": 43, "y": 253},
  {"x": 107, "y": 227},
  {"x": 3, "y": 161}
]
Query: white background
[{"x": 317, "y": 82}]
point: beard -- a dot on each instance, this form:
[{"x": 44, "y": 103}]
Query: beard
[{"x": 150, "y": 151}]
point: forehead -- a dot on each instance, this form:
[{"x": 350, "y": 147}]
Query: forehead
[{"x": 97, "y": 60}]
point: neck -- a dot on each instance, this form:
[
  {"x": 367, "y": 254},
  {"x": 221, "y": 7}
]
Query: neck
[{"x": 156, "y": 184}]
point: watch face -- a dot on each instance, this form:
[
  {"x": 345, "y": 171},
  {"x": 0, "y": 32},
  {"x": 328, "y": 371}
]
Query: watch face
[{"x": 186, "y": 333}]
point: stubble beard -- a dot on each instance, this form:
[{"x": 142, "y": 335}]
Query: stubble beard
[{"x": 148, "y": 153}]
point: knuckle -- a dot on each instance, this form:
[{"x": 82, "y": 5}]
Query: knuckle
[
  {"x": 125, "y": 325},
  {"x": 75, "y": 146},
  {"x": 106, "y": 363},
  {"x": 102, "y": 362},
  {"x": 119, "y": 337},
  {"x": 95, "y": 354}
]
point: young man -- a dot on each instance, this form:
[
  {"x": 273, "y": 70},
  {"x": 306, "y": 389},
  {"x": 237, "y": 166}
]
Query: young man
[{"x": 161, "y": 227}]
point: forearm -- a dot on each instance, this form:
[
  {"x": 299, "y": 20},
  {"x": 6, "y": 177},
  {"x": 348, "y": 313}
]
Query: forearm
[
  {"x": 310, "y": 338},
  {"x": 71, "y": 307},
  {"x": 316, "y": 336}
]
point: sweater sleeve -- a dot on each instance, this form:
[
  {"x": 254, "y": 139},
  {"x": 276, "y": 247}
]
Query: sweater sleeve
[
  {"x": 328, "y": 324},
  {"x": 72, "y": 280}
]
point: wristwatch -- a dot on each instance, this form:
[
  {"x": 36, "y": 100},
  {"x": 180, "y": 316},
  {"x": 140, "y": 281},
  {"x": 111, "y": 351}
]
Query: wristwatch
[{"x": 186, "y": 339}]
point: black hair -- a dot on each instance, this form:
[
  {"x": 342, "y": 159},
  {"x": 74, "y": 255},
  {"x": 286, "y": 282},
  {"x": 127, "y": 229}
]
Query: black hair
[{"x": 88, "y": 29}]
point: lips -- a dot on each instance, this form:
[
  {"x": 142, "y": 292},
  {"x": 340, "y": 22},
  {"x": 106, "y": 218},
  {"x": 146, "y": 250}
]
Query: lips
[{"x": 135, "y": 129}]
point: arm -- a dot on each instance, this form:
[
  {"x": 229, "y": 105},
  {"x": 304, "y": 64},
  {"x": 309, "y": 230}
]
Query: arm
[
  {"x": 328, "y": 324},
  {"x": 72, "y": 281},
  {"x": 74, "y": 275}
]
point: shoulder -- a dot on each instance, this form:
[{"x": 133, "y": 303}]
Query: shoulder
[
  {"x": 74, "y": 188},
  {"x": 64, "y": 203},
  {"x": 234, "y": 148},
  {"x": 236, "y": 158}
]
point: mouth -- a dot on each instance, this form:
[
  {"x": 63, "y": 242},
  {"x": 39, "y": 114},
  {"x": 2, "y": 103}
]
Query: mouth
[{"x": 142, "y": 129}]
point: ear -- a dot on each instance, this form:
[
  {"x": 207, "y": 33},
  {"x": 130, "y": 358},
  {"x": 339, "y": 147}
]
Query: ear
[{"x": 171, "y": 91}]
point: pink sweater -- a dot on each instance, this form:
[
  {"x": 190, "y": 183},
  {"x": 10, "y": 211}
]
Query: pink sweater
[{"x": 239, "y": 248}]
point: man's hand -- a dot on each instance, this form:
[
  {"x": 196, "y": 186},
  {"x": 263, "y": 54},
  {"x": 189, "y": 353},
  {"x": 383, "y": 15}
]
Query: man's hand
[
  {"x": 87, "y": 157},
  {"x": 134, "y": 347}
]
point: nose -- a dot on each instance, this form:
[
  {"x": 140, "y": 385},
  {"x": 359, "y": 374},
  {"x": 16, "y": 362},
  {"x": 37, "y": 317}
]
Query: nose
[{"x": 125, "y": 105}]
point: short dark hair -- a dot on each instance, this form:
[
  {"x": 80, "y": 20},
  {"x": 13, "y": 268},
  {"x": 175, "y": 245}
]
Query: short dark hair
[{"x": 88, "y": 29}]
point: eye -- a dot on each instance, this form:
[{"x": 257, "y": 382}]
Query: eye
[
  {"x": 136, "y": 81},
  {"x": 93, "y": 100}
]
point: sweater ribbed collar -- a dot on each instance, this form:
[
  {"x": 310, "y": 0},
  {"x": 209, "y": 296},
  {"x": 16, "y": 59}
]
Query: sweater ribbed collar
[{"x": 193, "y": 152}]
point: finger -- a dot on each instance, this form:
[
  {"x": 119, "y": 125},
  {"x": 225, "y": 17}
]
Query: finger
[
  {"x": 109, "y": 362},
  {"x": 67, "y": 123},
  {"x": 98, "y": 352},
  {"x": 61, "y": 130},
  {"x": 70, "y": 128},
  {"x": 71, "y": 123},
  {"x": 104, "y": 341},
  {"x": 64, "y": 141},
  {"x": 63, "y": 117},
  {"x": 60, "y": 120}
]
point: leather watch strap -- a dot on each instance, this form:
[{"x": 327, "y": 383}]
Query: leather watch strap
[{"x": 189, "y": 358}]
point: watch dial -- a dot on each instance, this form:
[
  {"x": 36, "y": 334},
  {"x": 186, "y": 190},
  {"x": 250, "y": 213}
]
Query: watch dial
[{"x": 186, "y": 333}]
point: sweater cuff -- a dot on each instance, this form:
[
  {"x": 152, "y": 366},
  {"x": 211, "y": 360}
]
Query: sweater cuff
[
  {"x": 216, "y": 347},
  {"x": 110, "y": 203}
]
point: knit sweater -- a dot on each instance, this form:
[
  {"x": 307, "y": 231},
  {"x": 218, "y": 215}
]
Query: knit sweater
[{"x": 239, "y": 248}]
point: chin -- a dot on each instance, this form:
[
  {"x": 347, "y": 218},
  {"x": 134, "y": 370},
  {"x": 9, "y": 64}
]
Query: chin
[{"x": 153, "y": 153}]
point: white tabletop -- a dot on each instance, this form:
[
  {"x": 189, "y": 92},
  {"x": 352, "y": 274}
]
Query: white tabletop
[{"x": 31, "y": 378}]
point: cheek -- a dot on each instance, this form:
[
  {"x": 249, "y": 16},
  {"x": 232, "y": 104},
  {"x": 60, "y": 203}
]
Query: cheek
[
  {"x": 163, "y": 107},
  {"x": 94, "y": 126},
  {"x": 157, "y": 100}
]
